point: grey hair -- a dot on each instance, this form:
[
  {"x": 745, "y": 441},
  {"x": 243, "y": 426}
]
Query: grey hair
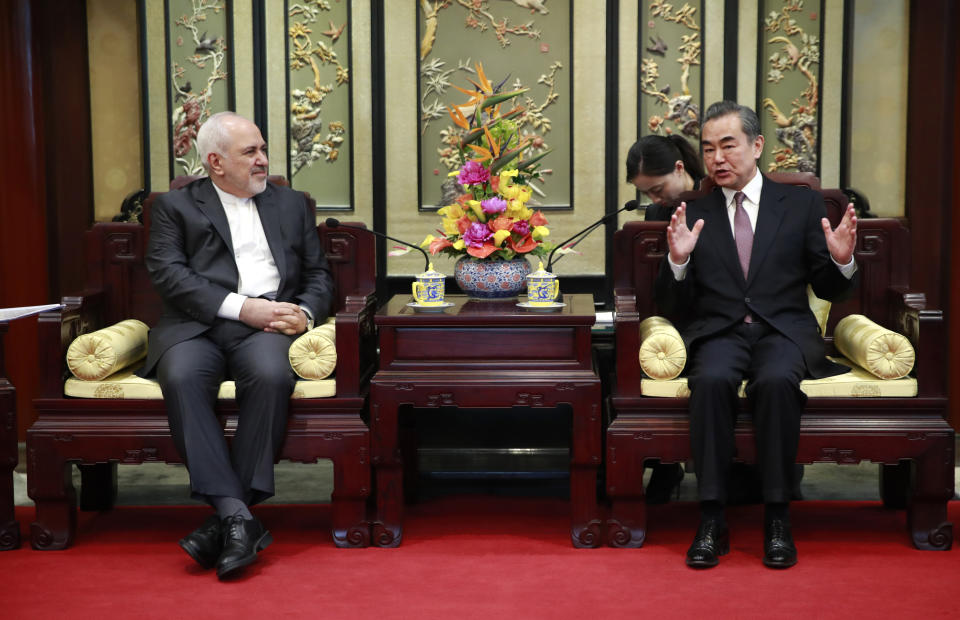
[
  {"x": 748, "y": 118},
  {"x": 212, "y": 136}
]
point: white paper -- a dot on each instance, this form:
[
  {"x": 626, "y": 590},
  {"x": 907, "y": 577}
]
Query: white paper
[
  {"x": 9, "y": 314},
  {"x": 605, "y": 318}
]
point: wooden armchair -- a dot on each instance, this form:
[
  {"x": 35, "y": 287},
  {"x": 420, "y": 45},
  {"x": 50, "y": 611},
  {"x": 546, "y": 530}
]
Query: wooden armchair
[
  {"x": 908, "y": 436},
  {"x": 98, "y": 433}
]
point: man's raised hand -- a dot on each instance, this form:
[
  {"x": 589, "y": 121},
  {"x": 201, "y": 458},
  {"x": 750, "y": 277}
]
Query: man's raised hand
[
  {"x": 842, "y": 240},
  {"x": 680, "y": 239}
]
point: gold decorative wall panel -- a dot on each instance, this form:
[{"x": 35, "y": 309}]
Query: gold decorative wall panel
[{"x": 518, "y": 45}]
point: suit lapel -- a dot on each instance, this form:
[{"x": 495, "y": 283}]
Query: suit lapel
[
  {"x": 209, "y": 204},
  {"x": 769, "y": 218},
  {"x": 270, "y": 220},
  {"x": 717, "y": 225}
]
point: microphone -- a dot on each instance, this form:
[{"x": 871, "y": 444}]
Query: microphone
[
  {"x": 333, "y": 222},
  {"x": 630, "y": 205}
]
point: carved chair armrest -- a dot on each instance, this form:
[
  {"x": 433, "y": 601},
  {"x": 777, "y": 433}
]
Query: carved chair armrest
[
  {"x": 356, "y": 342},
  {"x": 926, "y": 330},
  {"x": 626, "y": 324},
  {"x": 57, "y": 329}
]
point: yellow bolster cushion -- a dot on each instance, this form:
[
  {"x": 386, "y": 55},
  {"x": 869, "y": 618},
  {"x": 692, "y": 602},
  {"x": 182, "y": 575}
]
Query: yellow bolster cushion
[
  {"x": 99, "y": 354},
  {"x": 662, "y": 352},
  {"x": 884, "y": 353},
  {"x": 820, "y": 309},
  {"x": 314, "y": 354}
]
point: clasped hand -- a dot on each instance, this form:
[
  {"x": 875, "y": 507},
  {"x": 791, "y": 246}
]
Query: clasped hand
[
  {"x": 273, "y": 316},
  {"x": 841, "y": 241}
]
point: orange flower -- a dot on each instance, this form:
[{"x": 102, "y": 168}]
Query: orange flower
[
  {"x": 438, "y": 244},
  {"x": 464, "y": 223},
  {"x": 500, "y": 223},
  {"x": 526, "y": 244},
  {"x": 538, "y": 219},
  {"x": 483, "y": 252}
]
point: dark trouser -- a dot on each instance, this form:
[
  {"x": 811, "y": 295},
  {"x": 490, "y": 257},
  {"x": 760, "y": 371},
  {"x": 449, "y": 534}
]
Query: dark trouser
[
  {"x": 190, "y": 374},
  {"x": 773, "y": 366}
]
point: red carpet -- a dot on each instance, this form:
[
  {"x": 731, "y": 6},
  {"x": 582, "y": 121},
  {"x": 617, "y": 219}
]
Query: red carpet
[{"x": 480, "y": 557}]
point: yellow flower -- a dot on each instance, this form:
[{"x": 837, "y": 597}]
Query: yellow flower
[
  {"x": 499, "y": 236},
  {"x": 539, "y": 232},
  {"x": 459, "y": 244},
  {"x": 475, "y": 206},
  {"x": 452, "y": 211},
  {"x": 426, "y": 242},
  {"x": 524, "y": 194},
  {"x": 450, "y": 226}
]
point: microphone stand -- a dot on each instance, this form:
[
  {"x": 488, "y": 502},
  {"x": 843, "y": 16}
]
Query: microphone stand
[
  {"x": 631, "y": 205},
  {"x": 332, "y": 222}
]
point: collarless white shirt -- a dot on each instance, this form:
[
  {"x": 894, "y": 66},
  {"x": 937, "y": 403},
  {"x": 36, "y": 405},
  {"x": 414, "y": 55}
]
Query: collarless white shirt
[{"x": 258, "y": 273}]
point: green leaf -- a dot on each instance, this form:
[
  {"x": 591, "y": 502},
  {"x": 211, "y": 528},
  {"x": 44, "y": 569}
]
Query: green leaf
[{"x": 497, "y": 99}]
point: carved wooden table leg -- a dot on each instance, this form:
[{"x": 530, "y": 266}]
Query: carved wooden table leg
[
  {"x": 927, "y": 508},
  {"x": 351, "y": 490},
  {"x": 387, "y": 527},
  {"x": 9, "y": 528},
  {"x": 627, "y": 523},
  {"x": 586, "y": 531},
  {"x": 50, "y": 486}
]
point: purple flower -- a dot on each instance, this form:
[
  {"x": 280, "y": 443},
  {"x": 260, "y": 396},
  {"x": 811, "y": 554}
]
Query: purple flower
[
  {"x": 494, "y": 205},
  {"x": 477, "y": 234},
  {"x": 473, "y": 173},
  {"x": 521, "y": 227}
]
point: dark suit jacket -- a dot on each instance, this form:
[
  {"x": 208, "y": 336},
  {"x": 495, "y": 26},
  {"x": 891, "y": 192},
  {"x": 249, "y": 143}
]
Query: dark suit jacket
[
  {"x": 789, "y": 252},
  {"x": 191, "y": 261}
]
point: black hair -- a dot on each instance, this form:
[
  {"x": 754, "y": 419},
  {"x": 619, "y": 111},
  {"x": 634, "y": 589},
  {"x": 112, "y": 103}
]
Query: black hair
[
  {"x": 748, "y": 118},
  {"x": 656, "y": 156}
]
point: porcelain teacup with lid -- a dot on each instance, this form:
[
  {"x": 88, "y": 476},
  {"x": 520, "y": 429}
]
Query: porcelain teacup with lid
[
  {"x": 428, "y": 288},
  {"x": 543, "y": 287}
]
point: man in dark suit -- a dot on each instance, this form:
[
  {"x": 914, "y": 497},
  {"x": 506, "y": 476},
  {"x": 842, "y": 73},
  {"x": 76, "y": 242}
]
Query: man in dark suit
[
  {"x": 238, "y": 264},
  {"x": 739, "y": 275}
]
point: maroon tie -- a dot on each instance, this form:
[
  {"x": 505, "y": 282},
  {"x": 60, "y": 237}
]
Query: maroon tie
[{"x": 743, "y": 234}]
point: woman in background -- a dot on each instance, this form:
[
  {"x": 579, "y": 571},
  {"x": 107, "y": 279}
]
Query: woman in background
[{"x": 662, "y": 168}]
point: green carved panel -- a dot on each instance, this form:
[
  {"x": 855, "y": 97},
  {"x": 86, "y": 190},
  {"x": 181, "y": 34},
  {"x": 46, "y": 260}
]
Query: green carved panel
[
  {"x": 790, "y": 92},
  {"x": 670, "y": 76},
  {"x": 199, "y": 82},
  {"x": 318, "y": 54},
  {"x": 519, "y": 44}
]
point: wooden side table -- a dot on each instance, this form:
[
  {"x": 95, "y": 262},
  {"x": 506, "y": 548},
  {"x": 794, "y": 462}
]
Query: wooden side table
[
  {"x": 486, "y": 354},
  {"x": 9, "y": 528}
]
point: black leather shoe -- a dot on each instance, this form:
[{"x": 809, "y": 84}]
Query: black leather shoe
[
  {"x": 712, "y": 541},
  {"x": 205, "y": 543},
  {"x": 778, "y": 548},
  {"x": 665, "y": 478},
  {"x": 242, "y": 539}
]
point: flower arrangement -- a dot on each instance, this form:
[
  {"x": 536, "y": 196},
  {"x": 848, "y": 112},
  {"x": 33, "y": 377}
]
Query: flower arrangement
[{"x": 491, "y": 219}]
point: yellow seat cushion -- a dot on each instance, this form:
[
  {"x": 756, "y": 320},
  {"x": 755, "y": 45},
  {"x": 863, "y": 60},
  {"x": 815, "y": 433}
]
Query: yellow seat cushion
[
  {"x": 127, "y": 385},
  {"x": 662, "y": 352},
  {"x": 314, "y": 354},
  {"x": 820, "y": 309},
  {"x": 99, "y": 354},
  {"x": 858, "y": 383},
  {"x": 886, "y": 354}
]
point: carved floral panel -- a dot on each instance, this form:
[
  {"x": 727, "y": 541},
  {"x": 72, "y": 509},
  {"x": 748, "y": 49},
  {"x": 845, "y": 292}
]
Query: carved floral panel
[
  {"x": 670, "y": 77},
  {"x": 318, "y": 65},
  {"x": 790, "y": 50},
  {"x": 199, "y": 80},
  {"x": 518, "y": 44}
]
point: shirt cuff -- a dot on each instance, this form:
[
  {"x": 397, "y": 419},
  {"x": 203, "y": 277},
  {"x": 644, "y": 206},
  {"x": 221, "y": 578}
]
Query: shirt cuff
[
  {"x": 309, "y": 314},
  {"x": 847, "y": 270},
  {"x": 679, "y": 271},
  {"x": 230, "y": 308}
]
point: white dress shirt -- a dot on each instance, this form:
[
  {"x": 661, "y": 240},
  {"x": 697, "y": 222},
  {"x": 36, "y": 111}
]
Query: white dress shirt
[
  {"x": 751, "y": 204},
  {"x": 258, "y": 271}
]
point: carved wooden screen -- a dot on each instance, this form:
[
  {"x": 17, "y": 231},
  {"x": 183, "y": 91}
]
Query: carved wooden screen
[
  {"x": 789, "y": 85},
  {"x": 519, "y": 44}
]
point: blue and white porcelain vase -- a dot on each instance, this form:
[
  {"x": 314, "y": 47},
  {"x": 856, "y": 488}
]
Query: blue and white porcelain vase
[{"x": 491, "y": 279}]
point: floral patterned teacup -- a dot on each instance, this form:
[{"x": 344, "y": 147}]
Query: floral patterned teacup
[
  {"x": 428, "y": 289},
  {"x": 543, "y": 287}
]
